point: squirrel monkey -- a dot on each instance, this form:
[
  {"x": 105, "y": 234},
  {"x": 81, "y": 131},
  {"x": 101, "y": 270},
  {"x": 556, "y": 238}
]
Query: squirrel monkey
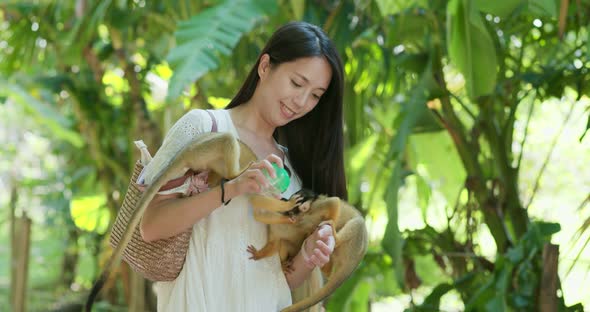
[
  {"x": 220, "y": 153},
  {"x": 308, "y": 211}
]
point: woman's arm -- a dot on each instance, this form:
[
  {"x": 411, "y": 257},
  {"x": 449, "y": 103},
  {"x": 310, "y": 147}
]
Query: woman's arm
[
  {"x": 168, "y": 215},
  {"x": 316, "y": 251}
]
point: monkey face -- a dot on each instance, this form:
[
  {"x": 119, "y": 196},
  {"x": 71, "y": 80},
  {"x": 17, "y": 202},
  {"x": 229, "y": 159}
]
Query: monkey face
[{"x": 301, "y": 202}]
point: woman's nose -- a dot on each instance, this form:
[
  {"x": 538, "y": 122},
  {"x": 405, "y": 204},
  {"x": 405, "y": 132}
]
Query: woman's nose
[{"x": 301, "y": 98}]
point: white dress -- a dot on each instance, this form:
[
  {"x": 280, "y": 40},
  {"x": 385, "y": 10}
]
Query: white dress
[{"x": 218, "y": 274}]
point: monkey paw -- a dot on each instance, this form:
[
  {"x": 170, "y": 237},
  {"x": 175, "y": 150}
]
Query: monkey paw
[
  {"x": 288, "y": 266},
  {"x": 253, "y": 252}
]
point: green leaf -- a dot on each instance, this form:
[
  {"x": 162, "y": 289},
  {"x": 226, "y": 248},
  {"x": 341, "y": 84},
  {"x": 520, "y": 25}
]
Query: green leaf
[
  {"x": 424, "y": 194},
  {"x": 298, "y": 7},
  {"x": 408, "y": 28},
  {"x": 432, "y": 302},
  {"x": 515, "y": 254},
  {"x": 501, "y": 8},
  {"x": 388, "y": 7},
  {"x": 338, "y": 301},
  {"x": 392, "y": 241},
  {"x": 90, "y": 213},
  {"x": 86, "y": 27},
  {"x": 360, "y": 297},
  {"x": 496, "y": 304},
  {"x": 202, "y": 39},
  {"x": 543, "y": 7},
  {"x": 409, "y": 115},
  {"x": 359, "y": 157},
  {"x": 548, "y": 228},
  {"x": 446, "y": 172},
  {"x": 471, "y": 48}
]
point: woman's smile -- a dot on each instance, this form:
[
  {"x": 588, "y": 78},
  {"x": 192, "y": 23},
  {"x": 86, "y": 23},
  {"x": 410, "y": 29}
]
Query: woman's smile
[{"x": 287, "y": 112}]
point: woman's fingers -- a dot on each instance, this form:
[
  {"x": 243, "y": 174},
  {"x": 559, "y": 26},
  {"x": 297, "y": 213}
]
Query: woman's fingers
[
  {"x": 318, "y": 258},
  {"x": 273, "y": 158},
  {"x": 264, "y": 164},
  {"x": 326, "y": 234},
  {"x": 257, "y": 179},
  {"x": 324, "y": 231},
  {"x": 323, "y": 247}
]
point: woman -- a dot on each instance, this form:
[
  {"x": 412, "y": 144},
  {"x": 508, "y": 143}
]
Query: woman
[{"x": 292, "y": 95}]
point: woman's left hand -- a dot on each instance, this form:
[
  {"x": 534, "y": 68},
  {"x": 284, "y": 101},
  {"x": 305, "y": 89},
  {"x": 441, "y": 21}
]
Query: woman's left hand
[{"x": 319, "y": 246}]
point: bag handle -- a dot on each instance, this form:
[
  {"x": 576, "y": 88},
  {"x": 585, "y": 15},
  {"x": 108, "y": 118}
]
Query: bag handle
[{"x": 214, "y": 122}]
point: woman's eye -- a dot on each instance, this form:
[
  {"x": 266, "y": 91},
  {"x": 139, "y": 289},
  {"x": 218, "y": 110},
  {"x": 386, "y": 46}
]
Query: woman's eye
[
  {"x": 295, "y": 83},
  {"x": 317, "y": 97}
]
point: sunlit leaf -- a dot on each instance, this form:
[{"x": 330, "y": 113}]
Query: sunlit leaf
[
  {"x": 90, "y": 213},
  {"x": 424, "y": 194},
  {"x": 446, "y": 172},
  {"x": 218, "y": 102}
]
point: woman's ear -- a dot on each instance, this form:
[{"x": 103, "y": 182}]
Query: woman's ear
[{"x": 264, "y": 66}]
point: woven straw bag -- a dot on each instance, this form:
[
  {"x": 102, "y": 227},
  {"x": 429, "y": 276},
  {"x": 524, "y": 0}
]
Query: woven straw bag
[{"x": 159, "y": 260}]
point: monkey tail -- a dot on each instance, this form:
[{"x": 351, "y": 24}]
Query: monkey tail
[
  {"x": 310, "y": 286},
  {"x": 134, "y": 221},
  {"x": 347, "y": 257},
  {"x": 95, "y": 290}
]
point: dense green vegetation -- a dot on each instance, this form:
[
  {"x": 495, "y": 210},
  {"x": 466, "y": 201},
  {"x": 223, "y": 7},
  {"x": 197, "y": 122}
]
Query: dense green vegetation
[{"x": 465, "y": 149}]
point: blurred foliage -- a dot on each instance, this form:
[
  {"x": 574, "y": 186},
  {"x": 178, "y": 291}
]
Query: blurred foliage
[{"x": 439, "y": 97}]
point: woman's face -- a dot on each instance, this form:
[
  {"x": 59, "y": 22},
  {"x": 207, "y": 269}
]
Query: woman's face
[{"x": 290, "y": 90}]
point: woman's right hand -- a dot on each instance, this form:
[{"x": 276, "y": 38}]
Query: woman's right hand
[{"x": 252, "y": 180}]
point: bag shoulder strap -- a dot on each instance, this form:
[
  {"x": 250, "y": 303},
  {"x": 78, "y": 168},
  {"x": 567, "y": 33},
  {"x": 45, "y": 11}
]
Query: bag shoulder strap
[
  {"x": 180, "y": 180},
  {"x": 214, "y": 124}
]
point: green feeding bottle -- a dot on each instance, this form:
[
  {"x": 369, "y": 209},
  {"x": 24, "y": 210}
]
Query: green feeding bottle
[{"x": 279, "y": 184}]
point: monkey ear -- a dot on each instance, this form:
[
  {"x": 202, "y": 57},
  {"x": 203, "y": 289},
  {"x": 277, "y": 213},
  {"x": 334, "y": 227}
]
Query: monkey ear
[{"x": 270, "y": 203}]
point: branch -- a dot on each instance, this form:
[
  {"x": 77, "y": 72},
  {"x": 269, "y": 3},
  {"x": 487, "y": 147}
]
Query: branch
[
  {"x": 526, "y": 130},
  {"x": 463, "y": 105}
]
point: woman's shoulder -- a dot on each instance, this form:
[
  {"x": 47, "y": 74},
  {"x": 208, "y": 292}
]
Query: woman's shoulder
[
  {"x": 196, "y": 114},
  {"x": 193, "y": 122}
]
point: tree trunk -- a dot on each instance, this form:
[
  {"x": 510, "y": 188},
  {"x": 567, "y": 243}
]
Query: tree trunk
[
  {"x": 21, "y": 249},
  {"x": 548, "y": 287},
  {"x": 13, "y": 243},
  {"x": 70, "y": 260}
]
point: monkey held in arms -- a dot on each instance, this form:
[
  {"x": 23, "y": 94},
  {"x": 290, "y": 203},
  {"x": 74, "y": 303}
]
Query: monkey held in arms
[{"x": 307, "y": 211}]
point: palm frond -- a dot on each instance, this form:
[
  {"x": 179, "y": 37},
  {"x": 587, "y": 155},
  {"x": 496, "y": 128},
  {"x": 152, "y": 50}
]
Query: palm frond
[{"x": 214, "y": 32}]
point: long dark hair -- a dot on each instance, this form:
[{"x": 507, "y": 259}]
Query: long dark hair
[{"x": 315, "y": 141}]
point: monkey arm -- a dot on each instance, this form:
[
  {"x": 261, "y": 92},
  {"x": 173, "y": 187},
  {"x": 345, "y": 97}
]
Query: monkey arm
[
  {"x": 271, "y": 217},
  {"x": 270, "y": 248},
  {"x": 270, "y": 204}
]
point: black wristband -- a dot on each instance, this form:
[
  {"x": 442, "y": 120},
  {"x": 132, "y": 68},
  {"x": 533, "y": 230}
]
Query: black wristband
[{"x": 223, "y": 180}]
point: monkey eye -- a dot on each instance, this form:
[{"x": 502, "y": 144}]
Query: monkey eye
[{"x": 304, "y": 207}]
